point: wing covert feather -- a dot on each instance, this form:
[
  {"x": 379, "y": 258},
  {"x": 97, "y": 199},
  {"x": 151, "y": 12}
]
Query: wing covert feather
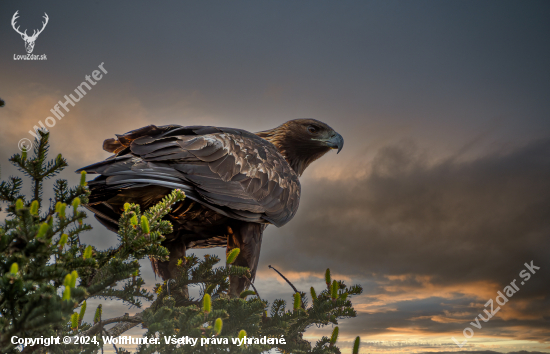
[{"x": 229, "y": 170}]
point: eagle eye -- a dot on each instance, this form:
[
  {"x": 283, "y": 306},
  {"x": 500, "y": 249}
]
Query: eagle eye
[{"x": 312, "y": 129}]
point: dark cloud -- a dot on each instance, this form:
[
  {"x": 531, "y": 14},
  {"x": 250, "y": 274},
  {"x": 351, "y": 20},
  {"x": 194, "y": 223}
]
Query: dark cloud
[
  {"x": 454, "y": 220},
  {"x": 436, "y": 237}
]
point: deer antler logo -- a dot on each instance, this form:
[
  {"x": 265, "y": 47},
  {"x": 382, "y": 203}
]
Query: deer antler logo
[{"x": 29, "y": 40}]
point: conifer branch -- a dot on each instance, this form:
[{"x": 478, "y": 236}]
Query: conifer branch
[
  {"x": 135, "y": 319},
  {"x": 46, "y": 273},
  {"x": 288, "y": 281}
]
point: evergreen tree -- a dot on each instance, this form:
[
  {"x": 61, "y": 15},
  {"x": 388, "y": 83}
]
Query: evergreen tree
[{"x": 47, "y": 273}]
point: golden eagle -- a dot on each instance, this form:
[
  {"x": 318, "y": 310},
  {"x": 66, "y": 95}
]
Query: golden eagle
[{"x": 236, "y": 183}]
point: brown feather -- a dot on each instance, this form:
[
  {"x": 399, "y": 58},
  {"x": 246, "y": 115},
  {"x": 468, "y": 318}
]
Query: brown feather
[{"x": 235, "y": 182}]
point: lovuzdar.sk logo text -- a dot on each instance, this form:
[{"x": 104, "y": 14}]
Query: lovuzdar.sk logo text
[{"x": 29, "y": 40}]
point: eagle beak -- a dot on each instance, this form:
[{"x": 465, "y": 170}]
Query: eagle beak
[{"x": 335, "y": 142}]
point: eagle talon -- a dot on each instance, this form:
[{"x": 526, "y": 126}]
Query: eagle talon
[{"x": 168, "y": 285}]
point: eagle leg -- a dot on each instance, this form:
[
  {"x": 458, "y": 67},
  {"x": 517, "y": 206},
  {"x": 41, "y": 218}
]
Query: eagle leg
[
  {"x": 169, "y": 269},
  {"x": 247, "y": 237}
]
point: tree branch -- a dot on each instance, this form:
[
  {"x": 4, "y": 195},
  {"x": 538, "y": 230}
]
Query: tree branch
[
  {"x": 121, "y": 327},
  {"x": 288, "y": 281},
  {"x": 127, "y": 320}
]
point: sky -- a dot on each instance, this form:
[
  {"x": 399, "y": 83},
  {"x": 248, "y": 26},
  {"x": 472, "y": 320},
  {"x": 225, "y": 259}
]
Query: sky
[{"x": 441, "y": 193}]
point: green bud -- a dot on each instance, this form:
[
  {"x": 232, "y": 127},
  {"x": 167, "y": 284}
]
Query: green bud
[
  {"x": 98, "y": 312},
  {"x": 334, "y": 336},
  {"x": 313, "y": 294},
  {"x": 126, "y": 206},
  {"x": 57, "y": 206},
  {"x": 19, "y": 205},
  {"x": 74, "y": 320},
  {"x": 242, "y": 334},
  {"x": 59, "y": 157},
  {"x": 42, "y": 230},
  {"x": 34, "y": 207},
  {"x": 133, "y": 220},
  {"x": 61, "y": 210},
  {"x": 74, "y": 277},
  {"x": 49, "y": 220},
  {"x": 297, "y": 301},
  {"x": 87, "y": 252},
  {"x": 76, "y": 203},
  {"x": 145, "y": 224},
  {"x": 232, "y": 255},
  {"x": 206, "y": 303},
  {"x": 24, "y": 153},
  {"x": 63, "y": 240},
  {"x": 14, "y": 269},
  {"x": 246, "y": 293},
  {"x": 67, "y": 280},
  {"x": 82, "y": 312},
  {"x": 67, "y": 293},
  {"x": 356, "y": 345},
  {"x": 334, "y": 290},
  {"x": 327, "y": 277},
  {"x": 218, "y": 326},
  {"x": 83, "y": 178}
]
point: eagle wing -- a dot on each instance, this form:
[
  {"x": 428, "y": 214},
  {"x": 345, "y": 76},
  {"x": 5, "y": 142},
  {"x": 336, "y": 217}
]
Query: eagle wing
[{"x": 231, "y": 171}]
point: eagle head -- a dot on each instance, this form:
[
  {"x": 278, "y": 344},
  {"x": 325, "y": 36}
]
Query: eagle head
[{"x": 302, "y": 141}]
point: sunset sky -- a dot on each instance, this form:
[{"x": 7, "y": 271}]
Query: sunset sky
[{"x": 441, "y": 193}]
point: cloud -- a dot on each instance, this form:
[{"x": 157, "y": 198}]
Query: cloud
[{"x": 432, "y": 241}]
